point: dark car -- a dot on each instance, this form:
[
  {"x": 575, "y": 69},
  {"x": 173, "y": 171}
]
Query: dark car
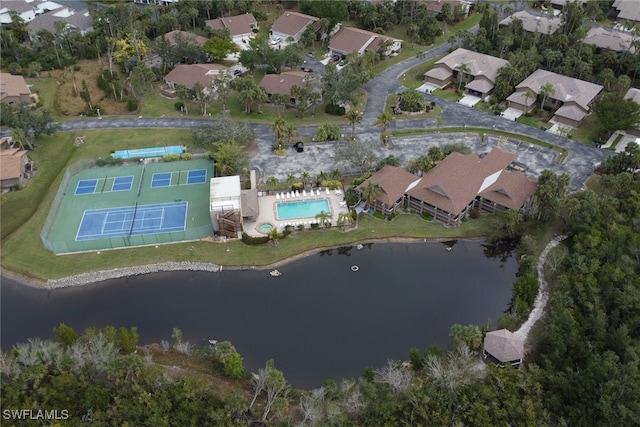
[
  {"x": 335, "y": 58},
  {"x": 237, "y": 72},
  {"x": 299, "y": 146},
  {"x": 307, "y": 69}
]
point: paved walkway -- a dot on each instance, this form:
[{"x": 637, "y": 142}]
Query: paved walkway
[{"x": 579, "y": 164}]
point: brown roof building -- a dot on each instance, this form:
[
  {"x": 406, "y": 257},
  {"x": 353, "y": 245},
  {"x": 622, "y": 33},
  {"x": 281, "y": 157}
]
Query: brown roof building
[
  {"x": 239, "y": 26},
  {"x": 503, "y": 346},
  {"x": 481, "y": 78},
  {"x": 394, "y": 182},
  {"x": 606, "y": 38},
  {"x": 571, "y": 97},
  {"x": 13, "y": 163},
  {"x": 464, "y": 181},
  {"x": 349, "y": 40},
  {"x": 628, "y": 10},
  {"x": 173, "y": 36},
  {"x": 293, "y": 24},
  {"x": 283, "y": 82},
  {"x": 533, "y": 23},
  {"x": 14, "y": 89},
  {"x": 188, "y": 75}
]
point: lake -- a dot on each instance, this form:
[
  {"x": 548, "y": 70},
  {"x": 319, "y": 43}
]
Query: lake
[{"x": 318, "y": 320}]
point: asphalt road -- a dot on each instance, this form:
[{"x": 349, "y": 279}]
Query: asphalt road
[{"x": 318, "y": 157}]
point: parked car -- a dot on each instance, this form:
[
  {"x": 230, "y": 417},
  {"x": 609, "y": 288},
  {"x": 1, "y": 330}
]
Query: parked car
[
  {"x": 342, "y": 63},
  {"x": 276, "y": 41},
  {"x": 307, "y": 69},
  {"x": 237, "y": 72},
  {"x": 335, "y": 58}
]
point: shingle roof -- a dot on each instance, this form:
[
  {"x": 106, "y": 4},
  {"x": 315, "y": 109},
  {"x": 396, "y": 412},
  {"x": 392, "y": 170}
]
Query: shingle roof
[
  {"x": 459, "y": 178},
  {"x": 291, "y": 23},
  {"x": 237, "y": 25},
  {"x": 79, "y": 20},
  {"x": 566, "y": 89},
  {"x": 12, "y": 86},
  {"x": 563, "y": 3},
  {"x": 504, "y": 345},
  {"x": 173, "y": 36},
  {"x": 607, "y": 38},
  {"x": 511, "y": 189},
  {"x": 187, "y": 75},
  {"x": 10, "y": 161},
  {"x": 394, "y": 182},
  {"x": 480, "y": 85},
  {"x": 572, "y": 112},
  {"x": 283, "y": 82},
  {"x": 350, "y": 39},
  {"x": 628, "y": 9},
  {"x": 534, "y": 23},
  {"x": 436, "y": 5},
  {"x": 634, "y": 94},
  {"x": 478, "y": 63}
]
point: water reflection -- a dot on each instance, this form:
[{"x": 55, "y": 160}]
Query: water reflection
[{"x": 318, "y": 320}]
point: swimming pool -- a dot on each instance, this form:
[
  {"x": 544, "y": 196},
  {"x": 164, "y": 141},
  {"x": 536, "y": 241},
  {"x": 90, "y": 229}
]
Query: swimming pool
[
  {"x": 148, "y": 152},
  {"x": 301, "y": 208}
]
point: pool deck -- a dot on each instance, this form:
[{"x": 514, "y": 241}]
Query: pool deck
[{"x": 267, "y": 204}]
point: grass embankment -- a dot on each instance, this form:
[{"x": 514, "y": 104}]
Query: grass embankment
[
  {"x": 24, "y": 253},
  {"x": 563, "y": 151}
]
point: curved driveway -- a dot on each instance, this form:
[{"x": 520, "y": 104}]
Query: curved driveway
[{"x": 579, "y": 164}]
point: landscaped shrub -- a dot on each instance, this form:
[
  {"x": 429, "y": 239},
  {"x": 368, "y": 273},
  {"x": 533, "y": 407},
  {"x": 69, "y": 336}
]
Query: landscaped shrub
[
  {"x": 132, "y": 104},
  {"x": 297, "y": 186},
  {"x": 170, "y": 158},
  {"x": 260, "y": 15},
  {"x": 109, "y": 161},
  {"x": 250, "y": 240},
  {"x": 315, "y": 225},
  {"x": 426, "y": 216},
  {"x": 351, "y": 197},
  {"x": 335, "y": 110},
  {"x": 186, "y": 156},
  {"x": 361, "y": 179},
  {"x": 378, "y": 215},
  {"x": 331, "y": 184},
  {"x": 179, "y": 105},
  {"x": 327, "y": 132}
]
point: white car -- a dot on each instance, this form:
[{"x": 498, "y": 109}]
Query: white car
[{"x": 276, "y": 41}]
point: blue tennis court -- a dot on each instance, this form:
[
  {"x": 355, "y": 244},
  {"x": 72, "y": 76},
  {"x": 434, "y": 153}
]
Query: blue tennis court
[
  {"x": 122, "y": 183},
  {"x": 132, "y": 220},
  {"x": 197, "y": 176},
  {"x": 86, "y": 186},
  {"x": 162, "y": 179}
]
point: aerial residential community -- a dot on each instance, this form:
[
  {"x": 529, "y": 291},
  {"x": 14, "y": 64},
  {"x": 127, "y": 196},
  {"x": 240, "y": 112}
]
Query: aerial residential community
[{"x": 195, "y": 144}]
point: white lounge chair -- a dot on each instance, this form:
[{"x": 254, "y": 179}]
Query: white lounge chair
[
  {"x": 277, "y": 196},
  {"x": 318, "y": 192},
  {"x": 338, "y": 193},
  {"x": 304, "y": 193},
  {"x": 327, "y": 191},
  {"x": 288, "y": 195},
  {"x": 297, "y": 193},
  {"x": 343, "y": 204}
]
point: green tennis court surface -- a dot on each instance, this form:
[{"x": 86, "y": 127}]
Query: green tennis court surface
[{"x": 119, "y": 206}]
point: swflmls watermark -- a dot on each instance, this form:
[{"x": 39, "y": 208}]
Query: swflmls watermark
[{"x": 35, "y": 414}]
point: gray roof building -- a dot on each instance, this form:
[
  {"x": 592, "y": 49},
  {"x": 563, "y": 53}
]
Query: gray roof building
[
  {"x": 628, "y": 10},
  {"x": 607, "y": 38},
  {"x": 534, "y": 23},
  {"x": 504, "y": 346}
]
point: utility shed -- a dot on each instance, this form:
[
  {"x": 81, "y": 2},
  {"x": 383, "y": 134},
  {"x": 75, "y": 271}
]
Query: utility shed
[{"x": 504, "y": 346}]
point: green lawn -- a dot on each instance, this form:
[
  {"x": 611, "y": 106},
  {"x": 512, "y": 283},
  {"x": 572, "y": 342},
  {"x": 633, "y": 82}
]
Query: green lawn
[
  {"x": 447, "y": 94},
  {"x": 588, "y": 131},
  {"x": 533, "y": 122}
]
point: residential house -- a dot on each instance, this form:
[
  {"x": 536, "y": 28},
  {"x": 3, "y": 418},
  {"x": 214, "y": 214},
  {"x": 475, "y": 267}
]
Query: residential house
[
  {"x": 607, "y": 38},
  {"x": 435, "y": 6},
  {"x": 533, "y": 23},
  {"x": 80, "y": 21},
  {"x": 570, "y": 98},
  {"x": 283, "y": 82},
  {"x": 558, "y": 5},
  {"x": 14, "y": 89},
  {"x": 176, "y": 35},
  {"x": 463, "y": 181},
  {"x": 480, "y": 76},
  {"x": 354, "y": 40},
  {"x": 27, "y": 10},
  {"x": 627, "y": 11},
  {"x": 14, "y": 164},
  {"x": 393, "y": 182},
  {"x": 240, "y": 26},
  {"x": 293, "y": 24},
  {"x": 188, "y": 75},
  {"x": 634, "y": 94}
]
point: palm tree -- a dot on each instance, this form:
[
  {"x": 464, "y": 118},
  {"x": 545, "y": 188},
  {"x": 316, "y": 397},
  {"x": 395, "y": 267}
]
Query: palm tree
[
  {"x": 322, "y": 176},
  {"x": 272, "y": 181},
  {"x": 528, "y": 95},
  {"x": 289, "y": 132},
  {"x": 304, "y": 177},
  {"x": 336, "y": 175},
  {"x": 323, "y": 218},
  {"x": 344, "y": 219},
  {"x": 354, "y": 116},
  {"x": 463, "y": 69},
  {"x": 370, "y": 192},
  {"x": 546, "y": 90},
  {"x": 291, "y": 178},
  {"x": 383, "y": 121},
  {"x": 279, "y": 127}
]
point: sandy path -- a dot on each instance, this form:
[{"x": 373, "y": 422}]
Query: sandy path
[{"x": 543, "y": 292}]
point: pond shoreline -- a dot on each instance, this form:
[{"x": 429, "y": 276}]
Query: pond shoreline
[{"x": 88, "y": 278}]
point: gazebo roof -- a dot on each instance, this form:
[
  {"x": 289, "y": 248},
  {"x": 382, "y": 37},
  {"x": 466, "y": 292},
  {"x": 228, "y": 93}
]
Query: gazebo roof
[{"x": 504, "y": 345}]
